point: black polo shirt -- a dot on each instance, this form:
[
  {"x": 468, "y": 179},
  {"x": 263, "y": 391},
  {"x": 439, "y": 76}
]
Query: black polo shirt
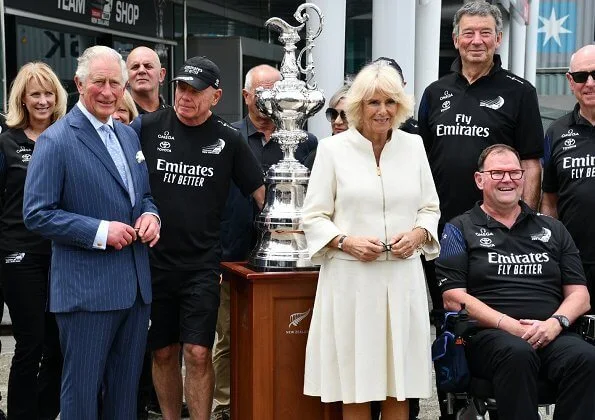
[
  {"x": 569, "y": 171},
  {"x": 269, "y": 153},
  {"x": 15, "y": 153},
  {"x": 518, "y": 271},
  {"x": 190, "y": 170},
  {"x": 162, "y": 105},
  {"x": 457, "y": 120}
]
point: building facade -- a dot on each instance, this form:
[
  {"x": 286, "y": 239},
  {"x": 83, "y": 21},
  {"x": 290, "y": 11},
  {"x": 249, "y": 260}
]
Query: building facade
[{"x": 539, "y": 36}]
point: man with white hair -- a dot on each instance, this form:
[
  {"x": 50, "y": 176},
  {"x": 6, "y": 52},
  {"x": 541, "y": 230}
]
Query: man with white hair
[
  {"x": 569, "y": 163},
  {"x": 87, "y": 189}
]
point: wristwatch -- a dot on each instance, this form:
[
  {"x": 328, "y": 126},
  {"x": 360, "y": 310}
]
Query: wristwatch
[
  {"x": 564, "y": 322},
  {"x": 341, "y": 240}
]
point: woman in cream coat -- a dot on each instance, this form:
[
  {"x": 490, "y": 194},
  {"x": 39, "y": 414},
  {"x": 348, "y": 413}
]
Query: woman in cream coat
[{"x": 370, "y": 211}]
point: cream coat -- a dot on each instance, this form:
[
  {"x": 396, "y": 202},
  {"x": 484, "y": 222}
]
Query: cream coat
[{"x": 369, "y": 336}]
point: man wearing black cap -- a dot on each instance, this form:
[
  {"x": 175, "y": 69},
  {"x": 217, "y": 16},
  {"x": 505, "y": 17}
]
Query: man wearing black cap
[{"x": 192, "y": 156}]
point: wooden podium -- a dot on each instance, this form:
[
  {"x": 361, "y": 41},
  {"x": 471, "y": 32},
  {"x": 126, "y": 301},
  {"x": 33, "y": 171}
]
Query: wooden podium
[{"x": 270, "y": 319}]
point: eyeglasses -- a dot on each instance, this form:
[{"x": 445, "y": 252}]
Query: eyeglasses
[
  {"x": 582, "y": 76},
  {"x": 498, "y": 175},
  {"x": 332, "y": 114}
]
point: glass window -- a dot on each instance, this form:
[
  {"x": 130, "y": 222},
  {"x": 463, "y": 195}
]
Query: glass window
[{"x": 59, "y": 50}]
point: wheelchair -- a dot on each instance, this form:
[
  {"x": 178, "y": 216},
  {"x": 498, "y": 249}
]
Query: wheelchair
[{"x": 477, "y": 400}]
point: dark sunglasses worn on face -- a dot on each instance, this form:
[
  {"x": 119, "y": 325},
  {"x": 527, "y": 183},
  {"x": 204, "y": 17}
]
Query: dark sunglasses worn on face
[
  {"x": 332, "y": 114},
  {"x": 582, "y": 76},
  {"x": 498, "y": 175}
]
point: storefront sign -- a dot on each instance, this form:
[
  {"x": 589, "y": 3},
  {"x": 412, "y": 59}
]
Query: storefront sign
[{"x": 152, "y": 18}]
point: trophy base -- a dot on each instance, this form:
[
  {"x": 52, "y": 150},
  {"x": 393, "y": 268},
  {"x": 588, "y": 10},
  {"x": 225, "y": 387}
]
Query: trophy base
[{"x": 281, "y": 251}]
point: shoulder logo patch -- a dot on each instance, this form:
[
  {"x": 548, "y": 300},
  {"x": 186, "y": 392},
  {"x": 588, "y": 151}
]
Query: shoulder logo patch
[
  {"x": 516, "y": 79},
  {"x": 495, "y": 103},
  {"x": 214, "y": 149},
  {"x": 543, "y": 236}
]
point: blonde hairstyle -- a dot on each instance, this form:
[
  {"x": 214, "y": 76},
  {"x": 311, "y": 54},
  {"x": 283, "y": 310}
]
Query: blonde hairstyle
[
  {"x": 377, "y": 78},
  {"x": 130, "y": 106},
  {"x": 18, "y": 116}
]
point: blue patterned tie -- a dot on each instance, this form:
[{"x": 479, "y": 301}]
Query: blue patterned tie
[{"x": 115, "y": 151}]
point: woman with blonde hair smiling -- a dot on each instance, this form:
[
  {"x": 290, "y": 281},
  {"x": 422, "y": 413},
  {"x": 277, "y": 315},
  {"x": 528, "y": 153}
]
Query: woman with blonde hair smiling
[
  {"x": 371, "y": 209},
  {"x": 36, "y": 100},
  {"x": 126, "y": 112}
]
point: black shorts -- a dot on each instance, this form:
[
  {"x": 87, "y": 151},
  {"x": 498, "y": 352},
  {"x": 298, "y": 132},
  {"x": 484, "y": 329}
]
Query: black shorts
[{"x": 184, "y": 308}]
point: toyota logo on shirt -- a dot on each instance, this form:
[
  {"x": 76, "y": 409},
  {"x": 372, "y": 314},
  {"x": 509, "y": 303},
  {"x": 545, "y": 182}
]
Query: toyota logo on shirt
[
  {"x": 487, "y": 242},
  {"x": 164, "y": 146}
]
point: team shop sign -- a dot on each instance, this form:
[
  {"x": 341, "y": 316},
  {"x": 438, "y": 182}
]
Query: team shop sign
[{"x": 135, "y": 16}]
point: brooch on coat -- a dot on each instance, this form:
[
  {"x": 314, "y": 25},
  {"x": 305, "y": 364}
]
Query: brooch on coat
[{"x": 140, "y": 158}]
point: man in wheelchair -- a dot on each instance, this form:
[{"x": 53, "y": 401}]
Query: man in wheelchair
[{"x": 519, "y": 275}]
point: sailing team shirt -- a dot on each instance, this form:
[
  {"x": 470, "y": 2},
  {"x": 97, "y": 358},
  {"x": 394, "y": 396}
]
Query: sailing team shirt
[
  {"x": 457, "y": 120},
  {"x": 518, "y": 271},
  {"x": 190, "y": 169},
  {"x": 569, "y": 171}
]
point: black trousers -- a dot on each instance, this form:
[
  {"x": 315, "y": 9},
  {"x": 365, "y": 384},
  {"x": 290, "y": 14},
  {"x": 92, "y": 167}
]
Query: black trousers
[
  {"x": 513, "y": 367},
  {"x": 35, "y": 374}
]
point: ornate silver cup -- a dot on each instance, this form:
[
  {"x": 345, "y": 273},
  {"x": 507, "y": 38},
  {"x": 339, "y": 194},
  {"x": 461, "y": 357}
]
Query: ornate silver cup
[{"x": 291, "y": 101}]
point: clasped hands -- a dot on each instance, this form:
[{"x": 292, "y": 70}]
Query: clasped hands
[
  {"x": 538, "y": 333},
  {"x": 368, "y": 248},
  {"x": 146, "y": 229}
]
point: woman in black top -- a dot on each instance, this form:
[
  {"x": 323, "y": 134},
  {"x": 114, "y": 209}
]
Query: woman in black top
[{"x": 36, "y": 100}]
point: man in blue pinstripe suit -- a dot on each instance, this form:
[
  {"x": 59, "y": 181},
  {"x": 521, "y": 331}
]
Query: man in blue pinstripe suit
[{"x": 87, "y": 190}]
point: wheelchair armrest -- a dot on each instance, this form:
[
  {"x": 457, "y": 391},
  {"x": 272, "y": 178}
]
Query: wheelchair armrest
[{"x": 585, "y": 327}]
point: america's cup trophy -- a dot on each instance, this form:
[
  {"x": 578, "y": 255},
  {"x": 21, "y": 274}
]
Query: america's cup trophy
[{"x": 282, "y": 245}]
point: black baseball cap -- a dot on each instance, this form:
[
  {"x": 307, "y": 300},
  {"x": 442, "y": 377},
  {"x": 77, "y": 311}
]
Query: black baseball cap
[
  {"x": 391, "y": 63},
  {"x": 199, "y": 72}
]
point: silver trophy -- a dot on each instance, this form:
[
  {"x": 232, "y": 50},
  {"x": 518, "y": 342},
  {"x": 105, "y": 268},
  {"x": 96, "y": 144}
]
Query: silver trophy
[{"x": 282, "y": 245}]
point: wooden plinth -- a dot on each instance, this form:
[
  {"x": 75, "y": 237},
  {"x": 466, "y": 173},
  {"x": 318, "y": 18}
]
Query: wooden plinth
[{"x": 270, "y": 319}]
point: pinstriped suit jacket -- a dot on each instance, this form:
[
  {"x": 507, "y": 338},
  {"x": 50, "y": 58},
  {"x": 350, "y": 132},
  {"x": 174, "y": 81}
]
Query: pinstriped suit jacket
[{"x": 72, "y": 184}]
